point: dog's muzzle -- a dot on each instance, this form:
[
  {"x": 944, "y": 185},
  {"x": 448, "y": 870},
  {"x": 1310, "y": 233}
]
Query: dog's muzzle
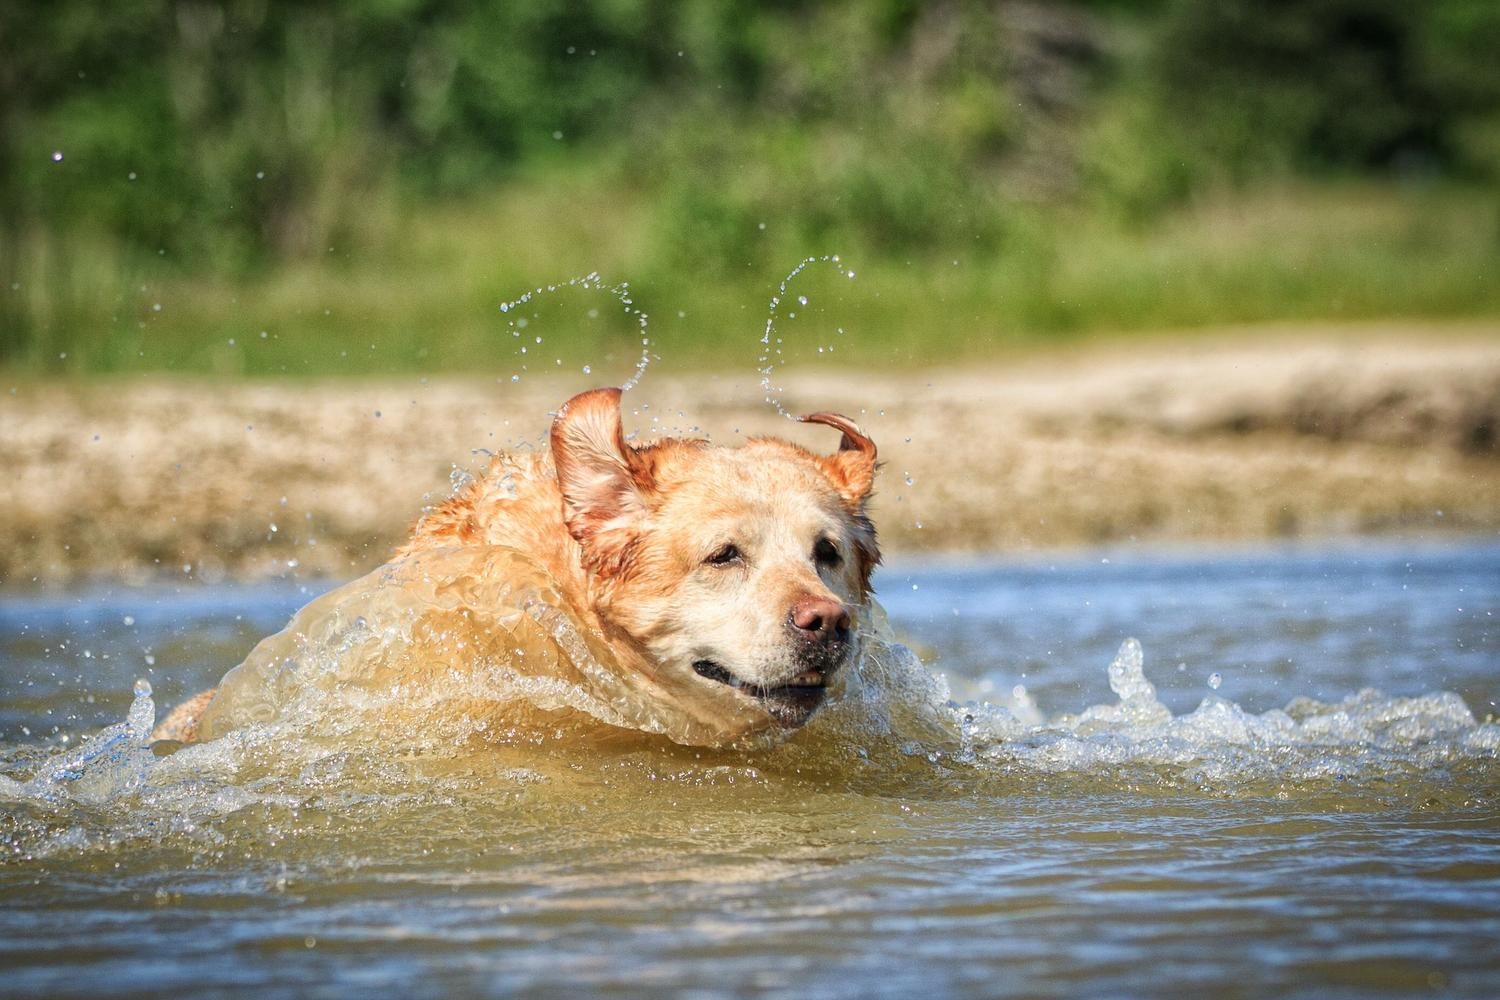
[{"x": 790, "y": 704}]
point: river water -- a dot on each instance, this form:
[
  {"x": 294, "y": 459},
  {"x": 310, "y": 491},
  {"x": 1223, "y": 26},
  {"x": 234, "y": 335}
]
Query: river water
[{"x": 1287, "y": 787}]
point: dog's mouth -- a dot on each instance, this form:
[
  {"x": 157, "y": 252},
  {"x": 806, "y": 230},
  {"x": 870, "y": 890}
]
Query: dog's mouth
[{"x": 790, "y": 704}]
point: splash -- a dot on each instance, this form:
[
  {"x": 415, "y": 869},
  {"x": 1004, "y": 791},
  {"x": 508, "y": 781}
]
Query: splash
[
  {"x": 1368, "y": 748},
  {"x": 363, "y": 685},
  {"x": 770, "y": 344},
  {"x": 114, "y": 762},
  {"x": 447, "y": 643},
  {"x": 590, "y": 282},
  {"x": 350, "y": 735}
]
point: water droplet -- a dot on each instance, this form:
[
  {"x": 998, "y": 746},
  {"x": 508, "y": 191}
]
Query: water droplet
[
  {"x": 591, "y": 282},
  {"x": 57, "y": 158},
  {"x": 771, "y": 355},
  {"x": 142, "y": 688},
  {"x": 1215, "y": 679}
]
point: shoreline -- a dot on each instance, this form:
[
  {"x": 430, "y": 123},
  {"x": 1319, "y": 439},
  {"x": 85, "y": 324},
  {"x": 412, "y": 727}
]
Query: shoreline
[
  {"x": 895, "y": 563},
  {"x": 1252, "y": 436}
]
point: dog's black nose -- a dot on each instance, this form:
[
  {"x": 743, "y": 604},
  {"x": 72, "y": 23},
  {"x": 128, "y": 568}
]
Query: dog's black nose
[{"x": 821, "y": 619}]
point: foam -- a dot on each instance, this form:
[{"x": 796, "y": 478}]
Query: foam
[{"x": 893, "y": 729}]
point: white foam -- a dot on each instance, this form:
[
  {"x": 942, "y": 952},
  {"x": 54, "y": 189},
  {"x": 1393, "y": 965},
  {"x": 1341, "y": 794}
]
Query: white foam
[
  {"x": 893, "y": 727},
  {"x": 113, "y": 762}
]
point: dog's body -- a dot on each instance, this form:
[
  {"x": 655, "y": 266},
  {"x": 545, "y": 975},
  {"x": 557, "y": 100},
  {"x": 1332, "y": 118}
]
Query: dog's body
[{"x": 722, "y": 586}]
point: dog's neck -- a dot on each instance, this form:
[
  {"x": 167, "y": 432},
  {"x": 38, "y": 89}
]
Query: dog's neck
[{"x": 516, "y": 504}]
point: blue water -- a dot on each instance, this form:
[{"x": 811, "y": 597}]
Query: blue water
[
  {"x": 1349, "y": 848},
  {"x": 1273, "y": 623}
]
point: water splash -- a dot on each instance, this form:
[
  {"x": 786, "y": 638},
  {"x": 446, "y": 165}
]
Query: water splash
[
  {"x": 591, "y": 282},
  {"x": 344, "y": 734},
  {"x": 770, "y": 349},
  {"x": 116, "y": 760}
]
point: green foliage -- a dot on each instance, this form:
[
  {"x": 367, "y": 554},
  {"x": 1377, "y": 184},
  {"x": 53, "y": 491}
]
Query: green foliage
[
  {"x": 240, "y": 144},
  {"x": 1236, "y": 90}
]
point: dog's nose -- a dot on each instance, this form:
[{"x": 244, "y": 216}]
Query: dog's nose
[{"x": 821, "y": 619}]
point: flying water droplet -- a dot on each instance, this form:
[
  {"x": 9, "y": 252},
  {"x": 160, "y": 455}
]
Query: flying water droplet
[
  {"x": 770, "y": 355},
  {"x": 591, "y": 282}
]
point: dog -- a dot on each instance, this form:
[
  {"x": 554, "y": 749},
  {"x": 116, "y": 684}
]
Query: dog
[{"x": 708, "y": 593}]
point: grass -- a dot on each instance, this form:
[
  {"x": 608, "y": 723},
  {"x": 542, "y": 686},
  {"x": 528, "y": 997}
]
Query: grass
[{"x": 418, "y": 291}]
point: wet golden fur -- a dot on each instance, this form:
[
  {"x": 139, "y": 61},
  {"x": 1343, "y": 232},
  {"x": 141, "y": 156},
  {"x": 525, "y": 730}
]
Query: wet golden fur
[{"x": 730, "y": 577}]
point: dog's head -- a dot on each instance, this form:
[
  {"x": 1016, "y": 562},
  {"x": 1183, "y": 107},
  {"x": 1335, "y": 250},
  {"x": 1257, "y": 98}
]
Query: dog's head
[{"x": 739, "y": 573}]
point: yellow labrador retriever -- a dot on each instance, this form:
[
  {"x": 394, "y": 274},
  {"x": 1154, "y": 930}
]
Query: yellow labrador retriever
[{"x": 703, "y": 592}]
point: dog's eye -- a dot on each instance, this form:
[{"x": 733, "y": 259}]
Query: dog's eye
[
  {"x": 725, "y": 555},
  {"x": 825, "y": 553}
]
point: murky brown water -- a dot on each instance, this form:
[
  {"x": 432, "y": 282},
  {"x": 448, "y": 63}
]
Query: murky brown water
[{"x": 1234, "y": 816}]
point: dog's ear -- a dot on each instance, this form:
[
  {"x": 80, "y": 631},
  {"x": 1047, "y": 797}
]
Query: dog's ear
[
  {"x": 852, "y": 467},
  {"x": 852, "y": 470},
  {"x": 604, "y": 481}
]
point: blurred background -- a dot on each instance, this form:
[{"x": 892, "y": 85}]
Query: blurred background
[
  {"x": 1124, "y": 270},
  {"x": 366, "y": 182}
]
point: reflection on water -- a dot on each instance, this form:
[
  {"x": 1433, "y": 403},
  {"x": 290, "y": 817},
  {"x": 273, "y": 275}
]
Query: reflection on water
[{"x": 1062, "y": 811}]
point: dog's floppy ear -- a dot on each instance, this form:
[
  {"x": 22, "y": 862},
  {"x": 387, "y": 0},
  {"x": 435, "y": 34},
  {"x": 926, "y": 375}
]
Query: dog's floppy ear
[
  {"x": 852, "y": 467},
  {"x": 852, "y": 470},
  {"x": 604, "y": 481}
]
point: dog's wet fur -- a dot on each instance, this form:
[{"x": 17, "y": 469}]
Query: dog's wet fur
[{"x": 733, "y": 579}]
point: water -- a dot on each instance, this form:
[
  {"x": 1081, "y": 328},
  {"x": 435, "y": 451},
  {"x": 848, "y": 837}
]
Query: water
[
  {"x": 1061, "y": 820},
  {"x": 525, "y": 340},
  {"x": 771, "y": 342}
]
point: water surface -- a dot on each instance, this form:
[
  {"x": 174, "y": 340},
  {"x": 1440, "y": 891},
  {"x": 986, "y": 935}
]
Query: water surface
[{"x": 1295, "y": 792}]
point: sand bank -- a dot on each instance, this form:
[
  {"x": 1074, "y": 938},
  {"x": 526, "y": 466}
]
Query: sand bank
[{"x": 1249, "y": 435}]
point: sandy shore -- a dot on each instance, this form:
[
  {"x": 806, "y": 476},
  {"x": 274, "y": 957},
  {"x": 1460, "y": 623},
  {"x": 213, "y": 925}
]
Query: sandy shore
[{"x": 1252, "y": 434}]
